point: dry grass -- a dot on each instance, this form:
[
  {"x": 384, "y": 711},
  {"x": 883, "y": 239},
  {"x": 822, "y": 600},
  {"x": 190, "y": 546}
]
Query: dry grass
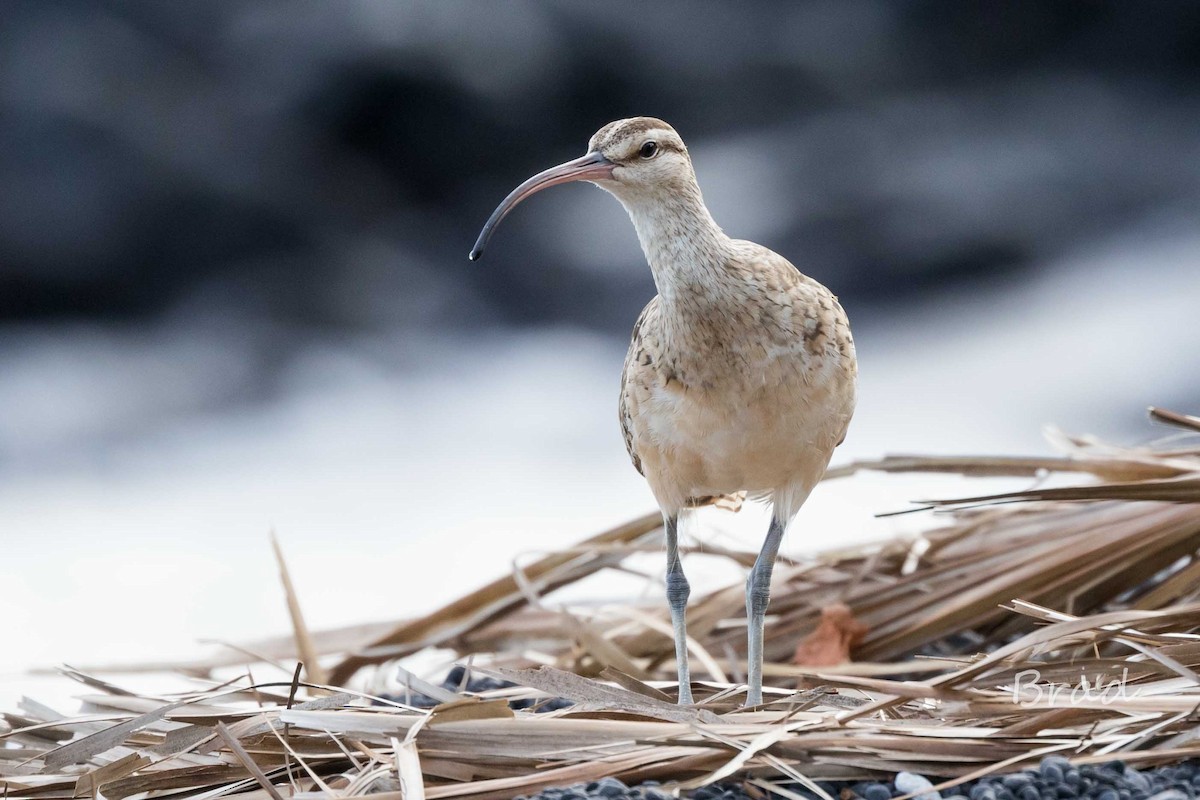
[{"x": 1095, "y": 582}]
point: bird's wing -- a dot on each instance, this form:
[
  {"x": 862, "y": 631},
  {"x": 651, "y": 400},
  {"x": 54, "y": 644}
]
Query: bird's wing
[{"x": 635, "y": 351}]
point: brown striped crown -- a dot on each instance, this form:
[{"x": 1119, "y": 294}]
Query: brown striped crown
[{"x": 621, "y": 141}]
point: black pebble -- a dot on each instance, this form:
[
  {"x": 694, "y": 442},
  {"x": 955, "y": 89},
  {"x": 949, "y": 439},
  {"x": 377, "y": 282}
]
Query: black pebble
[
  {"x": 1054, "y": 779},
  {"x": 611, "y": 787},
  {"x": 876, "y": 791},
  {"x": 982, "y": 791},
  {"x": 1136, "y": 780}
]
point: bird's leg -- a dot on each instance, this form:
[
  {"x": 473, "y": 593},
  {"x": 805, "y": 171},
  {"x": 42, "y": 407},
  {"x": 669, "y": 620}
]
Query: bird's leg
[
  {"x": 677, "y": 597},
  {"x": 758, "y": 596}
]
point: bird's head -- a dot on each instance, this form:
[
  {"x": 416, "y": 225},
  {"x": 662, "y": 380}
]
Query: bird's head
[
  {"x": 639, "y": 157},
  {"x": 647, "y": 155}
]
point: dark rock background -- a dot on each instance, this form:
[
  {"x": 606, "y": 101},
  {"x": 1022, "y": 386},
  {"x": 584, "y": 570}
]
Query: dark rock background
[
  {"x": 324, "y": 165},
  {"x": 196, "y": 196}
]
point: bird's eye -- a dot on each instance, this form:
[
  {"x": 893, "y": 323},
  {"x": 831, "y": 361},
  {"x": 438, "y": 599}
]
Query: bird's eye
[{"x": 649, "y": 150}]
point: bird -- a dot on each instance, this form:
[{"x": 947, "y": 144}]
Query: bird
[{"x": 741, "y": 374}]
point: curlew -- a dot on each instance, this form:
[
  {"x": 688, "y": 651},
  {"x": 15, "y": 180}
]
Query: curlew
[{"x": 740, "y": 374}]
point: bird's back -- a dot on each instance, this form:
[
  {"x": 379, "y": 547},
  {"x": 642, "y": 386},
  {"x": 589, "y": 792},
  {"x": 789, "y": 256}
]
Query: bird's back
[{"x": 745, "y": 381}]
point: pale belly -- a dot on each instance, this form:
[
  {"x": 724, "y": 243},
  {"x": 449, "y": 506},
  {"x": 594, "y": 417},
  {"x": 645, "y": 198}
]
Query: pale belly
[{"x": 760, "y": 440}]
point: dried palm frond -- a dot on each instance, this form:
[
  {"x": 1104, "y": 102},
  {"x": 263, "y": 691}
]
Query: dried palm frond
[{"x": 1057, "y": 619}]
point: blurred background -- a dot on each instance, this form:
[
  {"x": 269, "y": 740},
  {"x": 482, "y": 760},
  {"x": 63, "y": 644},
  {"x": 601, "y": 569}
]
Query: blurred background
[{"x": 234, "y": 292}]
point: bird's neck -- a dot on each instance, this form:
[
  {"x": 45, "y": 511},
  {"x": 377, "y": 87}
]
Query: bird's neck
[{"x": 685, "y": 247}]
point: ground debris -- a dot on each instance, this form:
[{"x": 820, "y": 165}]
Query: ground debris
[{"x": 978, "y": 656}]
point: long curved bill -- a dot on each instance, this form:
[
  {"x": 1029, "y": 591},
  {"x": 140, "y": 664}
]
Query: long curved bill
[{"x": 590, "y": 167}]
